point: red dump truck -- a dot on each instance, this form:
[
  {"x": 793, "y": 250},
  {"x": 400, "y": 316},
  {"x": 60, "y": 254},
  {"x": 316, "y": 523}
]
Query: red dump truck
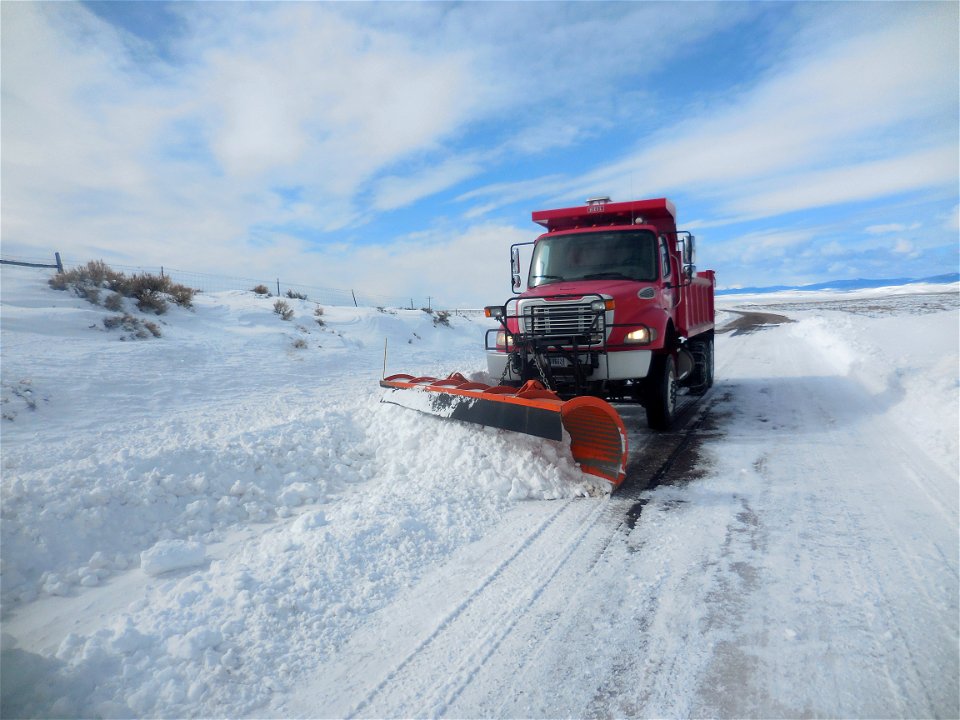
[
  {"x": 614, "y": 311},
  {"x": 614, "y": 308}
]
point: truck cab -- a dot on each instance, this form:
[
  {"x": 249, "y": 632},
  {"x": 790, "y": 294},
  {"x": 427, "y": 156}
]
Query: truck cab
[{"x": 614, "y": 308}]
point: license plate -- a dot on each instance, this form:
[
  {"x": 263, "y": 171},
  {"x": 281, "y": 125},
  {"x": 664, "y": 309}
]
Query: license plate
[{"x": 559, "y": 362}]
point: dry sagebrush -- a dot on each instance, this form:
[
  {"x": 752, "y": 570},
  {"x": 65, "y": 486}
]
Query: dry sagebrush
[{"x": 152, "y": 292}]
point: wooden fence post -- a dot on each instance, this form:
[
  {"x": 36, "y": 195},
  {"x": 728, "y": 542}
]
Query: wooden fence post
[{"x": 56, "y": 255}]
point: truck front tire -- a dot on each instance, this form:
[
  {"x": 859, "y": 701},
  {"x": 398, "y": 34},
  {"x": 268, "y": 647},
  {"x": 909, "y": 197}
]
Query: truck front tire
[{"x": 661, "y": 402}]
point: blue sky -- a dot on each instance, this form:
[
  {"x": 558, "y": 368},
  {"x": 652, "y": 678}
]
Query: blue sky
[{"x": 399, "y": 148}]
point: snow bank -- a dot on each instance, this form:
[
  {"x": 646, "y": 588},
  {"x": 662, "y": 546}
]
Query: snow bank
[
  {"x": 111, "y": 447},
  {"x": 903, "y": 348},
  {"x": 161, "y": 454},
  {"x": 911, "y": 366}
]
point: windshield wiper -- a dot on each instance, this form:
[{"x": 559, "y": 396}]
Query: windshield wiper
[
  {"x": 602, "y": 275},
  {"x": 548, "y": 277}
]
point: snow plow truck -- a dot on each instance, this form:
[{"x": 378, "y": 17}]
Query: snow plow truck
[{"x": 614, "y": 311}]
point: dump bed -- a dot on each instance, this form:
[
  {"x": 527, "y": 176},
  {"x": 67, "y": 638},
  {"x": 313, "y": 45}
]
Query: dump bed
[{"x": 695, "y": 311}]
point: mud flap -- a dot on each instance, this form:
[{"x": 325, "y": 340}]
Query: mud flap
[{"x": 598, "y": 439}]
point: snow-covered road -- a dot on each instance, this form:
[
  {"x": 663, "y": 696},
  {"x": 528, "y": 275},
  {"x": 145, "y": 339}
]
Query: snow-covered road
[
  {"x": 811, "y": 571},
  {"x": 791, "y": 550}
]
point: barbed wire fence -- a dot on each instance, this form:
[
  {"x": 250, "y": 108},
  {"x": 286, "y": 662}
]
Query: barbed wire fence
[
  {"x": 209, "y": 282},
  {"x": 36, "y": 262}
]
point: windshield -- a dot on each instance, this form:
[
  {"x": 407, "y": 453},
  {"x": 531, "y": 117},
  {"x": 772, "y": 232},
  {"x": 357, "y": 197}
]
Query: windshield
[{"x": 625, "y": 255}]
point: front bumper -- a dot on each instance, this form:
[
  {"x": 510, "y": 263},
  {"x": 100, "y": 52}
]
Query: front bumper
[{"x": 620, "y": 365}]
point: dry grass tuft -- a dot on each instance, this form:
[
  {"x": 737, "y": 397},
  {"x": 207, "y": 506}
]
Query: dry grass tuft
[
  {"x": 134, "y": 328},
  {"x": 281, "y": 308}
]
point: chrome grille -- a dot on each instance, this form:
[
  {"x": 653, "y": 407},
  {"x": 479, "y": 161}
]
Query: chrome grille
[{"x": 562, "y": 320}]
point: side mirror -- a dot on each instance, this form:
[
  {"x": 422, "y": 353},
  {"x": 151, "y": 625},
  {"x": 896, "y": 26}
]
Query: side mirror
[
  {"x": 689, "y": 270},
  {"x": 515, "y": 269},
  {"x": 690, "y": 251}
]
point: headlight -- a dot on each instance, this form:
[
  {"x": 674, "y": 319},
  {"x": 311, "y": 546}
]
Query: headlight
[
  {"x": 641, "y": 336},
  {"x": 601, "y": 305},
  {"x": 504, "y": 341},
  {"x": 493, "y": 311}
]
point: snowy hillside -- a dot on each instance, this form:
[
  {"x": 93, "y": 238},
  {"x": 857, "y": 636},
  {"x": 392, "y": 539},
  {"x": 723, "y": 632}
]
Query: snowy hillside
[{"x": 225, "y": 521}]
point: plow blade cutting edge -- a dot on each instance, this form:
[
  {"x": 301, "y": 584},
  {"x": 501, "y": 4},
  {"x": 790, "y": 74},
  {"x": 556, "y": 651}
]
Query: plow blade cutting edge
[{"x": 598, "y": 438}]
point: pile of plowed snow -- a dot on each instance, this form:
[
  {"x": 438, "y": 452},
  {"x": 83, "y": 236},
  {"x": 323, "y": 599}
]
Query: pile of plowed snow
[{"x": 115, "y": 448}]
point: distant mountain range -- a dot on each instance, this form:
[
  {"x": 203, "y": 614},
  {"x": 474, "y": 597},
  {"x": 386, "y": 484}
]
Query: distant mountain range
[{"x": 859, "y": 284}]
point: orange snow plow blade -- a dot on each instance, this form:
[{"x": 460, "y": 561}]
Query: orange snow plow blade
[{"x": 598, "y": 438}]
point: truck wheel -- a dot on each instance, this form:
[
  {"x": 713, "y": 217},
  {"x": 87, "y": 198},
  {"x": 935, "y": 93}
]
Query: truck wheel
[
  {"x": 662, "y": 393},
  {"x": 704, "y": 372}
]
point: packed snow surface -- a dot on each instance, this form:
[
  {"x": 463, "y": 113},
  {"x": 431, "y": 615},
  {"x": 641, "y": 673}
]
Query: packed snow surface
[{"x": 226, "y": 521}]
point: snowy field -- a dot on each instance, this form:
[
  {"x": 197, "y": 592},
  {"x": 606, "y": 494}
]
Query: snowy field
[{"x": 225, "y": 521}]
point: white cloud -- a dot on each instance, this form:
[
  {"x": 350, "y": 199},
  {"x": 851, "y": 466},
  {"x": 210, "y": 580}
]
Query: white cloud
[
  {"x": 889, "y": 228},
  {"x": 497, "y": 195},
  {"x": 314, "y": 117},
  {"x": 50, "y": 138},
  {"x": 953, "y": 220},
  {"x": 550, "y": 59},
  {"x": 395, "y": 191},
  {"x": 843, "y": 270},
  {"x": 852, "y": 104},
  {"x": 152, "y": 164},
  {"x": 327, "y": 101},
  {"x": 836, "y": 249},
  {"x": 838, "y": 185},
  {"x": 761, "y": 246},
  {"x": 467, "y": 267},
  {"x": 905, "y": 247}
]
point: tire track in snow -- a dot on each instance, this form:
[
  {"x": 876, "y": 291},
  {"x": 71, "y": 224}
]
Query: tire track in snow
[
  {"x": 534, "y": 639},
  {"x": 655, "y": 455},
  {"x": 721, "y": 582},
  {"x": 338, "y": 684},
  {"x": 494, "y": 606},
  {"x": 439, "y": 660},
  {"x": 676, "y": 457}
]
